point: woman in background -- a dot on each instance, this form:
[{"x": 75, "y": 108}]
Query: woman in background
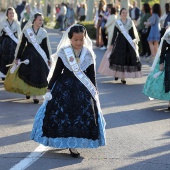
[
  {"x": 157, "y": 85},
  {"x": 124, "y": 59},
  {"x": 25, "y": 16},
  {"x": 10, "y": 32},
  {"x": 154, "y": 34},
  {"x": 31, "y": 79},
  {"x": 144, "y": 35}
]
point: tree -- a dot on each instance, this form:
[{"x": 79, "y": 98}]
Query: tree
[{"x": 151, "y": 2}]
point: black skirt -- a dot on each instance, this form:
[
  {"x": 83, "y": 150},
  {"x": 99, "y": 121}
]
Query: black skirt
[
  {"x": 72, "y": 112},
  {"x": 36, "y": 72},
  {"x": 7, "y": 51},
  {"x": 123, "y": 57}
]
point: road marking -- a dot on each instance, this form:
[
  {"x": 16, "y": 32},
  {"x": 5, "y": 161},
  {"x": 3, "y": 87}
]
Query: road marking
[{"x": 31, "y": 158}]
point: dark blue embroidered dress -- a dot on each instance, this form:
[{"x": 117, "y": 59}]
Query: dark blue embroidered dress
[{"x": 71, "y": 119}]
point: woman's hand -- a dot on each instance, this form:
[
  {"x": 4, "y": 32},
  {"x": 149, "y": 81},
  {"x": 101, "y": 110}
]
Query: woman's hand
[
  {"x": 16, "y": 61},
  {"x": 48, "y": 90},
  {"x": 161, "y": 67}
]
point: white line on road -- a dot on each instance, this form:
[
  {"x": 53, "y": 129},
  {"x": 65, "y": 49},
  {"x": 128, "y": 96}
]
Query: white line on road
[{"x": 31, "y": 158}]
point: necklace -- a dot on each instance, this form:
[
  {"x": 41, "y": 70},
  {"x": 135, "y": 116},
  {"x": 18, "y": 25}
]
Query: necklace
[
  {"x": 124, "y": 22},
  {"x": 77, "y": 54}
]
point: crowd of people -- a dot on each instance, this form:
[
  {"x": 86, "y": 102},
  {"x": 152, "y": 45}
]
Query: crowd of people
[
  {"x": 71, "y": 116},
  {"x": 66, "y": 15}
]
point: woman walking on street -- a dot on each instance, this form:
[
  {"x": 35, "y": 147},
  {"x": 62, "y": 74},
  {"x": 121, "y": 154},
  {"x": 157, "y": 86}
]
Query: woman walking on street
[
  {"x": 157, "y": 85},
  {"x": 72, "y": 118},
  {"x": 9, "y": 33},
  {"x": 124, "y": 59},
  {"x": 31, "y": 79}
]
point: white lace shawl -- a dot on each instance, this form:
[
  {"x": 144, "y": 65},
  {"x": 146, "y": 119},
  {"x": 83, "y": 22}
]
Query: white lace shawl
[
  {"x": 85, "y": 61},
  {"x": 42, "y": 33},
  {"x": 128, "y": 25},
  {"x": 15, "y": 28}
]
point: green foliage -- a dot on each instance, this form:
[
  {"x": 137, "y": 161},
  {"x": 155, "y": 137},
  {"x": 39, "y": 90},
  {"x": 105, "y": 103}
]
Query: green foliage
[
  {"x": 151, "y": 2},
  {"x": 91, "y": 30},
  {"x": 57, "y": 25},
  {"x": 46, "y": 20}
]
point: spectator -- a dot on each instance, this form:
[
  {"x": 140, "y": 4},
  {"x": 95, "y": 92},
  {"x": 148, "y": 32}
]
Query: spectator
[
  {"x": 38, "y": 9},
  {"x": 25, "y": 16},
  {"x": 97, "y": 23},
  {"x": 154, "y": 34},
  {"x": 141, "y": 27},
  {"x": 165, "y": 19},
  {"x": 19, "y": 9},
  {"x": 48, "y": 9},
  {"x": 62, "y": 16},
  {"x": 82, "y": 12},
  {"x": 70, "y": 15},
  {"x": 77, "y": 10},
  {"x": 134, "y": 12},
  {"x": 103, "y": 28},
  {"x": 110, "y": 24}
]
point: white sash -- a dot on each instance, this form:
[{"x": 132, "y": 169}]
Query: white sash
[
  {"x": 127, "y": 36},
  {"x": 37, "y": 46},
  {"x": 10, "y": 33},
  {"x": 80, "y": 74}
]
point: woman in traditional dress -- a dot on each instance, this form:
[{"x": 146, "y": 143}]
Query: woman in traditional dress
[
  {"x": 72, "y": 118},
  {"x": 157, "y": 85},
  {"x": 9, "y": 34},
  {"x": 31, "y": 79},
  {"x": 124, "y": 59},
  {"x": 25, "y": 16}
]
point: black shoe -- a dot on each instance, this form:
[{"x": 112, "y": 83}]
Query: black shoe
[
  {"x": 116, "y": 78},
  {"x": 73, "y": 154},
  {"x": 36, "y": 101},
  {"x": 169, "y": 108},
  {"x": 123, "y": 81},
  {"x": 27, "y": 97},
  {"x": 3, "y": 79}
]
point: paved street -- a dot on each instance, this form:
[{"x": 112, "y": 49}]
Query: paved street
[{"x": 138, "y": 130}]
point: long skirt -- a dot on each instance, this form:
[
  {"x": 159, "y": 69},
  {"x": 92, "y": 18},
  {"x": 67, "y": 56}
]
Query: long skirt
[
  {"x": 7, "y": 51},
  {"x": 123, "y": 59},
  {"x": 71, "y": 119},
  {"x": 29, "y": 79},
  {"x": 155, "y": 87},
  {"x": 104, "y": 65}
]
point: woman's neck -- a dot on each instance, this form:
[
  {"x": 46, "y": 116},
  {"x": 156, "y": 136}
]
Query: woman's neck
[
  {"x": 10, "y": 20},
  {"x": 35, "y": 28},
  {"x": 123, "y": 19},
  {"x": 76, "y": 51}
]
